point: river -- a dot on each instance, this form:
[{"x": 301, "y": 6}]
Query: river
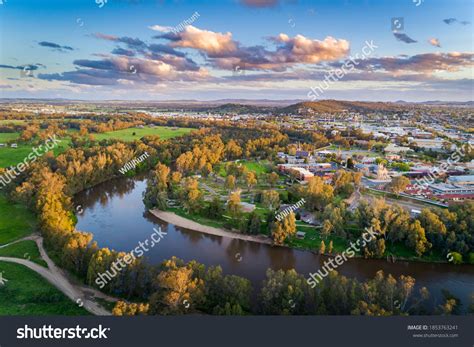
[{"x": 114, "y": 212}]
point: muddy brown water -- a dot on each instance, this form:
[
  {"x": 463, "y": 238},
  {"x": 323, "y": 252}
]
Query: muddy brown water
[{"x": 114, "y": 212}]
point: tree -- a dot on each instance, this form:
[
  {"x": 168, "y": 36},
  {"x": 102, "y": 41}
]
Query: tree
[
  {"x": 230, "y": 182},
  {"x": 250, "y": 179},
  {"x": 123, "y": 308},
  {"x": 322, "y": 247},
  {"x": 399, "y": 184},
  {"x": 254, "y": 223},
  {"x": 176, "y": 177},
  {"x": 270, "y": 199},
  {"x": 233, "y": 150},
  {"x": 273, "y": 179},
  {"x": 177, "y": 289},
  {"x": 281, "y": 230},
  {"x": 435, "y": 228},
  {"x": 233, "y": 203},
  {"x": 284, "y": 293},
  {"x": 416, "y": 238},
  {"x": 191, "y": 195},
  {"x": 318, "y": 194},
  {"x": 326, "y": 229}
]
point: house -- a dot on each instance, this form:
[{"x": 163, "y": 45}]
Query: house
[
  {"x": 300, "y": 234},
  {"x": 302, "y": 174},
  {"x": 467, "y": 180},
  {"x": 302, "y": 154},
  {"x": 392, "y": 148}
]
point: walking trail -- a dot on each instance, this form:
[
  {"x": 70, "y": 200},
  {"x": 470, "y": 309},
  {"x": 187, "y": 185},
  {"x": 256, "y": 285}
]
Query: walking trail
[{"x": 82, "y": 295}]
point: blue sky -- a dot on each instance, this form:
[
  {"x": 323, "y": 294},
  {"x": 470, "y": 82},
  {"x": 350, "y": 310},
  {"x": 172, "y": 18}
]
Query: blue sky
[{"x": 164, "y": 49}]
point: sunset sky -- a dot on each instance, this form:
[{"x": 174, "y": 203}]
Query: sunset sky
[{"x": 253, "y": 49}]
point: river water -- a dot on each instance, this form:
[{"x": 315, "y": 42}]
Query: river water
[{"x": 115, "y": 214}]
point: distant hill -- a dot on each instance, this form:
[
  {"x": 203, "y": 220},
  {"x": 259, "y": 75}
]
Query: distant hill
[
  {"x": 239, "y": 109},
  {"x": 331, "y": 106}
]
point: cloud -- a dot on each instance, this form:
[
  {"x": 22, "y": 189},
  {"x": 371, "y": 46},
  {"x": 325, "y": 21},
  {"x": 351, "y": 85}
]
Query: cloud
[
  {"x": 304, "y": 50},
  {"x": 204, "y": 40},
  {"x": 122, "y": 51},
  {"x": 118, "y": 70},
  {"x": 450, "y": 21},
  {"x": 55, "y": 46},
  {"x": 259, "y": 3},
  {"x": 163, "y": 29},
  {"x": 32, "y": 67},
  {"x": 403, "y": 37},
  {"x": 434, "y": 42},
  {"x": 421, "y": 63},
  {"x": 223, "y": 52}
]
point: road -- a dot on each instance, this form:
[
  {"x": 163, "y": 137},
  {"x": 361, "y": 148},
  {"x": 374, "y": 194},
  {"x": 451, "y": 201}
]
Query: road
[{"x": 82, "y": 295}]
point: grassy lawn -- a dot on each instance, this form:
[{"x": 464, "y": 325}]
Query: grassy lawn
[
  {"x": 4, "y": 137},
  {"x": 403, "y": 252},
  {"x": 127, "y": 134},
  {"x": 257, "y": 167},
  {"x": 24, "y": 249},
  {"x": 312, "y": 240},
  {"x": 16, "y": 221},
  {"x": 12, "y": 156},
  {"x": 11, "y": 121},
  {"x": 198, "y": 218},
  {"x": 27, "y": 293}
]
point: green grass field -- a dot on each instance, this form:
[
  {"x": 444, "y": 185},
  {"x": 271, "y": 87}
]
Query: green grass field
[
  {"x": 11, "y": 121},
  {"x": 313, "y": 239},
  {"x": 27, "y": 293},
  {"x": 12, "y": 156},
  {"x": 15, "y": 221},
  {"x": 257, "y": 167},
  {"x": 4, "y": 137},
  {"x": 127, "y": 134},
  {"x": 24, "y": 249}
]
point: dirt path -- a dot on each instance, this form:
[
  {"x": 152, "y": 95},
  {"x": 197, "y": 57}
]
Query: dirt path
[
  {"x": 82, "y": 295},
  {"x": 172, "y": 218}
]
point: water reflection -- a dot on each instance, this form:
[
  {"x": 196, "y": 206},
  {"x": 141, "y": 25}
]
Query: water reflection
[{"x": 115, "y": 213}]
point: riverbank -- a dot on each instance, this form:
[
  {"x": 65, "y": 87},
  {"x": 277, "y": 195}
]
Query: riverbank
[{"x": 172, "y": 218}]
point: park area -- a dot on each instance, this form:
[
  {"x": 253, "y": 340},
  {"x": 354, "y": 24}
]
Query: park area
[{"x": 132, "y": 134}]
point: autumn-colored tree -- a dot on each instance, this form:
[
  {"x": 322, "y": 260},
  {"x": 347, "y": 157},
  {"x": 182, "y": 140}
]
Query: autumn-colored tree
[
  {"x": 270, "y": 199},
  {"x": 230, "y": 182},
  {"x": 318, "y": 194},
  {"x": 272, "y": 179},
  {"x": 322, "y": 247},
  {"x": 123, "y": 308},
  {"x": 233, "y": 203},
  {"x": 250, "y": 179},
  {"x": 399, "y": 184},
  {"x": 281, "y": 230},
  {"x": 416, "y": 238},
  {"x": 178, "y": 291}
]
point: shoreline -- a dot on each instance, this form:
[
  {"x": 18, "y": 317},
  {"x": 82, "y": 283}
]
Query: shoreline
[{"x": 173, "y": 218}]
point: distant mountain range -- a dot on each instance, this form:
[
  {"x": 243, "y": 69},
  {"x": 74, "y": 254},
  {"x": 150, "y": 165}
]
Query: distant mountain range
[{"x": 240, "y": 106}]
